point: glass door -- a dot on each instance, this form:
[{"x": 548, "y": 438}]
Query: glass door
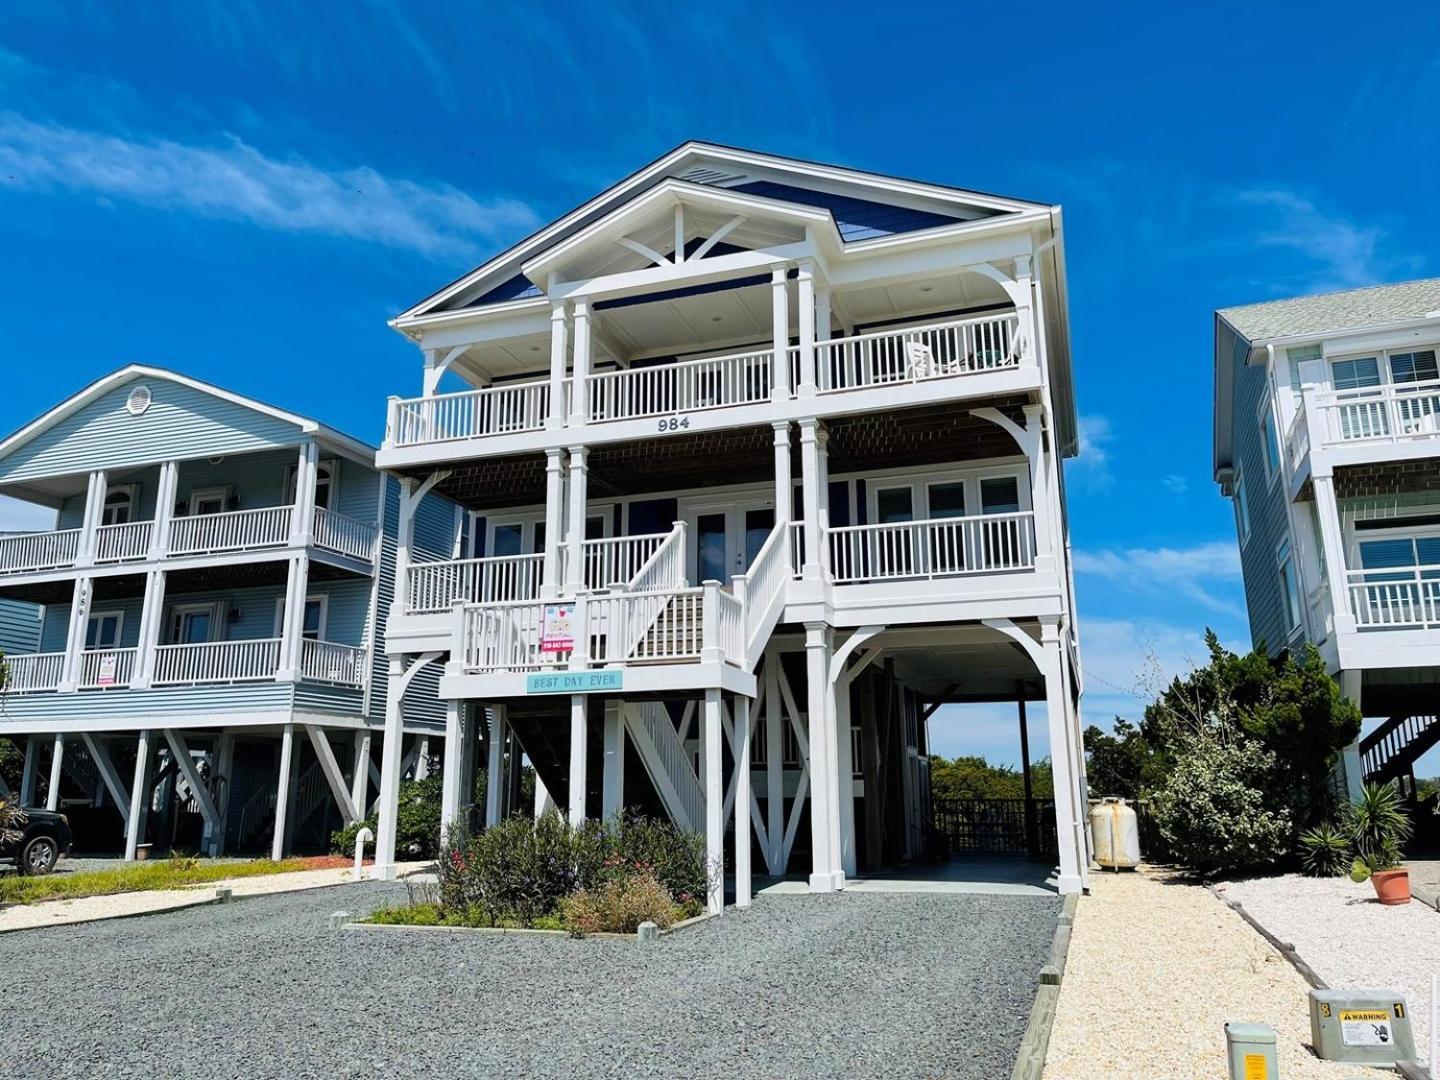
[{"x": 724, "y": 538}]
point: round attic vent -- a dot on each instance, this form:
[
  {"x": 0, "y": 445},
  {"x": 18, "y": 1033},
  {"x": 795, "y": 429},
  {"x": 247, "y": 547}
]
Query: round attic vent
[{"x": 138, "y": 401}]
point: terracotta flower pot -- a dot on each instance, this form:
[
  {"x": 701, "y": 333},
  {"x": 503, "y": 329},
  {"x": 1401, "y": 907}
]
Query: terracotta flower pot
[{"x": 1392, "y": 886}]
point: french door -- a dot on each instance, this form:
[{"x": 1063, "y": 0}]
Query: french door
[{"x": 724, "y": 537}]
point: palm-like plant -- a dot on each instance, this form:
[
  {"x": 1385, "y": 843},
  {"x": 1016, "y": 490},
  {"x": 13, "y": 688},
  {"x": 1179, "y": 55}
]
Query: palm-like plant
[{"x": 1379, "y": 825}]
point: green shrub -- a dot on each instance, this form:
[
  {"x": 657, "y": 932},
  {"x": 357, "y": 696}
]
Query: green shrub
[
  {"x": 417, "y": 823},
  {"x": 620, "y": 905},
  {"x": 1324, "y": 851},
  {"x": 1212, "y": 810}
]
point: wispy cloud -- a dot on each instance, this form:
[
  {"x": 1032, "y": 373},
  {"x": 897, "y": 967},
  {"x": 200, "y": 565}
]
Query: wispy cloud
[
  {"x": 1204, "y": 573},
  {"x": 1344, "y": 253},
  {"x": 1175, "y": 483},
  {"x": 1091, "y": 468},
  {"x": 1127, "y": 662},
  {"x": 235, "y": 181}
]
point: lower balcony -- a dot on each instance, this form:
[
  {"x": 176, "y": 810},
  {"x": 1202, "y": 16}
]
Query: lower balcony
[{"x": 214, "y": 662}]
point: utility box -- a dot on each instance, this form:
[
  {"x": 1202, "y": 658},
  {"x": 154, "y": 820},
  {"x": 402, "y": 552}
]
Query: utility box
[
  {"x": 1250, "y": 1049},
  {"x": 1370, "y": 1027}
]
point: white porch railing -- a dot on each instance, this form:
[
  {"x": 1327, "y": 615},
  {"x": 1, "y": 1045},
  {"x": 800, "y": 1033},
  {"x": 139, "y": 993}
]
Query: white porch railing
[
  {"x": 104, "y": 668},
  {"x": 618, "y": 559},
  {"x": 122, "y": 543},
  {"x": 646, "y": 627},
  {"x": 657, "y": 577},
  {"x": 506, "y": 637},
  {"x": 39, "y": 551},
  {"x": 233, "y": 530},
  {"x": 217, "y": 661},
  {"x": 495, "y": 410},
  {"x": 714, "y": 382},
  {"x": 1297, "y": 439},
  {"x": 729, "y": 632},
  {"x": 983, "y": 544},
  {"x": 1390, "y": 413},
  {"x": 343, "y": 535},
  {"x": 325, "y": 661},
  {"x": 915, "y": 353},
  {"x": 434, "y": 587},
  {"x": 31, "y": 672},
  {"x": 1407, "y": 598}
]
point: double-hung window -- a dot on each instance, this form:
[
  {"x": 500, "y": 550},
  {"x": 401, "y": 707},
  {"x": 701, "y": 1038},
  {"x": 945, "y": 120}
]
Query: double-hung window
[{"x": 1289, "y": 586}]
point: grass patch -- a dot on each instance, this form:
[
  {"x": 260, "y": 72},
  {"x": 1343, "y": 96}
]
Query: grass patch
[
  {"x": 430, "y": 914},
  {"x": 141, "y": 877}
]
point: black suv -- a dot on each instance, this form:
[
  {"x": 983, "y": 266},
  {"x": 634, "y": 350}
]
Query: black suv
[{"x": 45, "y": 838}]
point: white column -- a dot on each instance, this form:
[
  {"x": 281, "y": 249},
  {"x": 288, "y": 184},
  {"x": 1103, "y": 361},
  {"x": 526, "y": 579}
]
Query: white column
[
  {"x": 404, "y": 539},
  {"x": 282, "y": 793},
  {"x": 742, "y": 801},
  {"x": 822, "y": 775},
  {"x": 152, "y": 628},
  {"x": 302, "y": 525},
  {"x": 1328, "y": 512},
  {"x": 822, "y": 463},
  {"x": 139, "y": 797},
  {"x": 810, "y": 495},
  {"x": 554, "y": 522},
  {"x": 392, "y": 753},
  {"x": 714, "y": 780},
  {"x": 575, "y": 526},
  {"x": 292, "y": 625},
  {"x": 1021, "y": 293},
  {"x": 223, "y": 763},
  {"x": 360, "y": 773},
  {"x": 164, "y": 508},
  {"x": 28, "y": 771},
  {"x": 470, "y": 734},
  {"x": 1041, "y": 505},
  {"x": 613, "y": 786},
  {"x": 780, "y": 308},
  {"x": 805, "y": 301},
  {"x": 579, "y": 747},
  {"x": 94, "y": 514},
  {"x": 84, "y": 591},
  {"x": 1068, "y": 818},
  {"x": 580, "y": 366},
  {"x": 543, "y": 803},
  {"x": 845, "y": 777},
  {"x": 558, "y": 349},
  {"x": 451, "y": 779},
  {"x": 784, "y": 499},
  {"x": 422, "y": 757},
  {"x": 494, "y": 777},
  {"x": 57, "y": 761},
  {"x": 774, "y": 765}
]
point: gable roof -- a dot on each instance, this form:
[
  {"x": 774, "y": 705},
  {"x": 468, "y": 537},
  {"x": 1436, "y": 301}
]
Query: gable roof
[
  {"x": 1327, "y": 313},
  {"x": 718, "y": 167},
  {"x": 352, "y": 446}
]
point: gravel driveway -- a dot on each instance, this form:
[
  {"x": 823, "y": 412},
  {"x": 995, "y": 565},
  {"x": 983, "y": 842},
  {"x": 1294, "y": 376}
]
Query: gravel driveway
[{"x": 863, "y": 985}]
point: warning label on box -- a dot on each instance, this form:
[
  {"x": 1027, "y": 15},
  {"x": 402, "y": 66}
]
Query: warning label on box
[{"x": 1365, "y": 1027}]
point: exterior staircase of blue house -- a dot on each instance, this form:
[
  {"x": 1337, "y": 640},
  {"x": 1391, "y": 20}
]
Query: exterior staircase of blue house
[{"x": 1391, "y": 750}]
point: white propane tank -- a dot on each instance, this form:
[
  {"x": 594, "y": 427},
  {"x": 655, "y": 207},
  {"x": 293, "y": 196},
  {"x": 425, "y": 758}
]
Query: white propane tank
[{"x": 1116, "y": 834}]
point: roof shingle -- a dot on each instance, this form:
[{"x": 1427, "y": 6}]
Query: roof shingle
[{"x": 1329, "y": 312}]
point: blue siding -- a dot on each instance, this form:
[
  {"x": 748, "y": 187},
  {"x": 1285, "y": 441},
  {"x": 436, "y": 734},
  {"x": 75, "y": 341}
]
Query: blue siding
[
  {"x": 177, "y": 700},
  {"x": 435, "y": 527},
  {"x": 518, "y": 287},
  {"x": 181, "y": 422},
  {"x": 19, "y": 627},
  {"x": 1269, "y": 517},
  {"x": 857, "y": 219}
]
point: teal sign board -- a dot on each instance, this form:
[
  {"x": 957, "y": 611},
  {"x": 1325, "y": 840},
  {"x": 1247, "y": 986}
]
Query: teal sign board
[{"x": 574, "y": 682}]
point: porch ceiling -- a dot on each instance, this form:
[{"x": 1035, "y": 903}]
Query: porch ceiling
[
  {"x": 177, "y": 582},
  {"x": 963, "y": 664},
  {"x": 1387, "y": 478},
  {"x": 924, "y": 436}
]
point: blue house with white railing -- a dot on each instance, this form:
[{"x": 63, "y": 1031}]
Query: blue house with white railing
[{"x": 204, "y": 618}]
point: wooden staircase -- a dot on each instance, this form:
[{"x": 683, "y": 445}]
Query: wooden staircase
[{"x": 1391, "y": 750}]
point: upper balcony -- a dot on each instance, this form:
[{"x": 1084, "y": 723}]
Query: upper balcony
[{"x": 223, "y": 532}]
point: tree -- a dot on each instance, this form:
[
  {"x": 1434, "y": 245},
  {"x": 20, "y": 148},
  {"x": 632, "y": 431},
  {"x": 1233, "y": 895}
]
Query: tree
[
  {"x": 976, "y": 778},
  {"x": 1121, "y": 763}
]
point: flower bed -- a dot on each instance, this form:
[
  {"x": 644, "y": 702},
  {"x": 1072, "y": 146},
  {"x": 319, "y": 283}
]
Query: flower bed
[{"x": 596, "y": 878}]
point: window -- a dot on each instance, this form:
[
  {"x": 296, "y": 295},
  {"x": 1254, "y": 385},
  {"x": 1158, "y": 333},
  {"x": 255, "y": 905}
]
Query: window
[
  {"x": 103, "y": 629},
  {"x": 1289, "y": 586},
  {"x": 947, "y": 500},
  {"x": 192, "y": 624},
  {"x": 119, "y": 506},
  {"x": 1297, "y": 356},
  {"x": 209, "y": 501},
  {"x": 1319, "y": 537},
  {"x": 1271, "y": 442},
  {"x": 999, "y": 495},
  {"x": 894, "y": 505},
  {"x": 1242, "y": 509},
  {"x": 324, "y": 484},
  {"x": 1414, "y": 367},
  {"x": 507, "y": 539},
  {"x": 1355, "y": 374},
  {"x": 313, "y": 627}
]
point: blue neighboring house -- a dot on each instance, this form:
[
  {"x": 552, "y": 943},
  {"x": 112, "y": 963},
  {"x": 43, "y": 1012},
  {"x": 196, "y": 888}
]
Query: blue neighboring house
[{"x": 193, "y": 649}]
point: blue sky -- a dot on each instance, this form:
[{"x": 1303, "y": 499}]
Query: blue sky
[{"x": 248, "y": 196}]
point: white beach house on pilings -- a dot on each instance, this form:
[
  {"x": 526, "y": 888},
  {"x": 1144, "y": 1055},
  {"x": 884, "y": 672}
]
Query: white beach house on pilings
[
  {"x": 762, "y": 463},
  {"x": 200, "y": 669},
  {"x": 1327, "y": 439}
]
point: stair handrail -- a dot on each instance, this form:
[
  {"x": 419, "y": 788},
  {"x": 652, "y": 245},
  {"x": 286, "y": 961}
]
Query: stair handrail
[
  {"x": 679, "y": 788},
  {"x": 762, "y": 589},
  {"x": 662, "y": 572}
]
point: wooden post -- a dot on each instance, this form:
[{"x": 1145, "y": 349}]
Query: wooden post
[
  {"x": 139, "y": 797},
  {"x": 579, "y": 747},
  {"x": 714, "y": 803},
  {"x": 280, "y": 838},
  {"x": 742, "y": 801}
]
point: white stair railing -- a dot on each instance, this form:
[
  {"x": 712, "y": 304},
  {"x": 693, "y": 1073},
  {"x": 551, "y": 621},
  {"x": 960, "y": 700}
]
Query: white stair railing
[
  {"x": 617, "y": 558},
  {"x": 663, "y": 573},
  {"x": 310, "y": 791},
  {"x": 646, "y": 627},
  {"x": 762, "y": 590},
  {"x": 667, "y": 761}
]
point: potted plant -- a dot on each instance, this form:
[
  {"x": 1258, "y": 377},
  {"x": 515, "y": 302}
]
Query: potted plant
[{"x": 1379, "y": 824}]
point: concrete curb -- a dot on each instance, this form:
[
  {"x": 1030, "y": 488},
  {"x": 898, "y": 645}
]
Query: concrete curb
[{"x": 1030, "y": 1061}]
